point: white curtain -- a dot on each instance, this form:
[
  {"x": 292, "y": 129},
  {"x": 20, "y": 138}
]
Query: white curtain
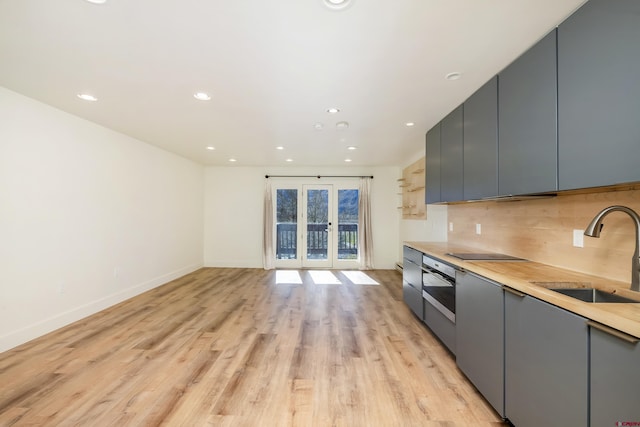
[
  {"x": 365, "y": 242},
  {"x": 267, "y": 223}
]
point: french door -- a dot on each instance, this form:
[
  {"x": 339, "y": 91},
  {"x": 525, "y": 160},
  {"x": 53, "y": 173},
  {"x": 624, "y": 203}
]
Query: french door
[
  {"x": 317, "y": 227},
  {"x": 312, "y": 231}
]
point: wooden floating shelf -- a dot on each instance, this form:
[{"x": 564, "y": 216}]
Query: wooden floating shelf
[{"x": 412, "y": 184}]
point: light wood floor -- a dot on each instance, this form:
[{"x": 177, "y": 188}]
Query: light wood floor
[{"x": 230, "y": 347}]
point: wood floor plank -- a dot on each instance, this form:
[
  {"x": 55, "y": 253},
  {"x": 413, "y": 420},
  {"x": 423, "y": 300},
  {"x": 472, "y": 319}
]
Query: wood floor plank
[{"x": 231, "y": 347}]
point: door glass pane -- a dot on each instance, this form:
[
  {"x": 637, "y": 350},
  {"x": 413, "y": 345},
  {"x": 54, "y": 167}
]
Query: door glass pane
[
  {"x": 348, "y": 224},
  {"x": 317, "y": 224},
  {"x": 286, "y": 224}
]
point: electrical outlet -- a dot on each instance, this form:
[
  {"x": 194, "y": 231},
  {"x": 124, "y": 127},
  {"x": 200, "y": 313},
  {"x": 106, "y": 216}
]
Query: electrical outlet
[
  {"x": 450, "y": 226},
  {"x": 478, "y": 229},
  {"x": 61, "y": 288},
  {"x": 578, "y": 238},
  {"x": 116, "y": 272}
]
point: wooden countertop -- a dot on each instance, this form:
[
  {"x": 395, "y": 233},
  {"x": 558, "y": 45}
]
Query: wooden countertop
[{"x": 533, "y": 278}]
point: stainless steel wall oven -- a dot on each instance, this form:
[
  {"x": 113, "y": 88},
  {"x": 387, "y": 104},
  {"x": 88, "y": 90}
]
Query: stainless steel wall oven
[
  {"x": 439, "y": 299},
  {"x": 439, "y": 286}
]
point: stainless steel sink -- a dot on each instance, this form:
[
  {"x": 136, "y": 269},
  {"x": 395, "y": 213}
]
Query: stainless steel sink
[{"x": 592, "y": 295}]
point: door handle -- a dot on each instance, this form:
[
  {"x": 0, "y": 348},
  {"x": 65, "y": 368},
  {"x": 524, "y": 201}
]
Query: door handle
[
  {"x": 514, "y": 292},
  {"x": 616, "y": 333}
]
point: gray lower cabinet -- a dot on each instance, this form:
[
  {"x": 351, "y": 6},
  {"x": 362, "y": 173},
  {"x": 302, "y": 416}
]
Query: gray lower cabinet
[
  {"x": 546, "y": 364},
  {"x": 451, "y": 157},
  {"x": 480, "y": 335},
  {"x": 527, "y": 122},
  {"x": 412, "y": 280},
  {"x": 599, "y": 95},
  {"x": 615, "y": 380},
  {"x": 481, "y": 142},
  {"x": 432, "y": 166},
  {"x": 440, "y": 325}
]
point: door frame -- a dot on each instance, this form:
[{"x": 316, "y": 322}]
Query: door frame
[{"x": 301, "y": 257}]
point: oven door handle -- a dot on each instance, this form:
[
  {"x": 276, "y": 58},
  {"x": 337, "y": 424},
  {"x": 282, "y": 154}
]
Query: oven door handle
[{"x": 446, "y": 279}]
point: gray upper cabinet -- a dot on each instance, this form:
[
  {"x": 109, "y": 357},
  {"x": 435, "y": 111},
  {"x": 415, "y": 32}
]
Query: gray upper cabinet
[
  {"x": 481, "y": 142},
  {"x": 451, "y": 156},
  {"x": 599, "y": 95},
  {"x": 615, "y": 379},
  {"x": 527, "y": 110},
  {"x": 432, "y": 166}
]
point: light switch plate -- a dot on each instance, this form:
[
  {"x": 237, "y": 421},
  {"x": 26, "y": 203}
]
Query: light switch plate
[
  {"x": 478, "y": 229},
  {"x": 578, "y": 238},
  {"x": 450, "y": 226}
]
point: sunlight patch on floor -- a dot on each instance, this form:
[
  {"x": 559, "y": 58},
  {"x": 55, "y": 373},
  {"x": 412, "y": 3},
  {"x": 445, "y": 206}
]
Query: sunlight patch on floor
[
  {"x": 291, "y": 277},
  {"x": 359, "y": 278},
  {"x": 323, "y": 277}
]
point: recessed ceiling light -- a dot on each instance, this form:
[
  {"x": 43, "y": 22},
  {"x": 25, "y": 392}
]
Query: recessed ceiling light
[
  {"x": 280, "y": 148},
  {"x": 342, "y": 125},
  {"x": 337, "y": 4},
  {"x": 289, "y": 160},
  {"x": 97, "y": 1},
  {"x": 333, "y": 110},
  {"x": 453, "y": 76},
  {"x": 87, "y": 97},
  {"x": 352, "y": 147},
  {"x": 318, "y": 126},
  {"x": 409, "y": 124},
  {"x": 211, "y": 148},
  {"x": 202, "y": 96},
  {"x": 347, "y": 160},
  {"x": 232, "y": 160}
]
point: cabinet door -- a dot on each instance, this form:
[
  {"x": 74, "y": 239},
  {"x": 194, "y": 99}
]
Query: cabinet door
[
  {"x": 432, "y": 166},
  {"x": 599, "y": 95},
  {"x": 412, "y": 280},
  {"x": 480, "y": 335},
  {"x": 451, "y": 158},
  {"x": 546, "y": 364},
  {"x": 481, "y": 142},
  {"x": 527, "y": 106},
  {"x": 615, "y": 380}
]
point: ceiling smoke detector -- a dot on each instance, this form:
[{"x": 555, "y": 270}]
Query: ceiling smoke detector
[
  {"x": 337, "y": 4},
  {"x": 87, "y": 97},
  {"x": 453, "y": 76},
  {"x": 202, "y": 96}
]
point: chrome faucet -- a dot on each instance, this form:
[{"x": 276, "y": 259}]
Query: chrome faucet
[{"x": 595, "y": 226}]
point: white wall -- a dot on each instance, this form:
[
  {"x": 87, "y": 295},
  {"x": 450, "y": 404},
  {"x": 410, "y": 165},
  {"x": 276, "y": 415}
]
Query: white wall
[
  {"x": 433, "y": 229},
  {"x": 88, "y": 218},
  {"x": 233, "y": 212}
]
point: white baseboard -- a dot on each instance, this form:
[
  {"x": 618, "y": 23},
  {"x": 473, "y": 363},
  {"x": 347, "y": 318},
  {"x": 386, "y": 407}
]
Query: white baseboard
[
  {"x": 59, "y": 320},
  {"x": 232, "y": 264}
]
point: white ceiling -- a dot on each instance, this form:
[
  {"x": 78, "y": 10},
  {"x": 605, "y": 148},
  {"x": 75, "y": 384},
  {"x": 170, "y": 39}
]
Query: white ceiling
[{"x": 272, "y": 69}]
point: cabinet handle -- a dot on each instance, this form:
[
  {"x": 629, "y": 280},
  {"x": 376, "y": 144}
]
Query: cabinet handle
[
  {"x": 514, "y": 292},
  {"x": 616, "y": 333}
]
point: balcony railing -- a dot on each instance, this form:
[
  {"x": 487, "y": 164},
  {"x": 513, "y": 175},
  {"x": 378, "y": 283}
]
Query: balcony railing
[{"x": 317, "y": 235}]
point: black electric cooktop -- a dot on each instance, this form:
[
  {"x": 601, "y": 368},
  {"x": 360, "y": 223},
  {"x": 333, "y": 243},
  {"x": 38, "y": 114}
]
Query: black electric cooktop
[{"x": 484, "y": 256}]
